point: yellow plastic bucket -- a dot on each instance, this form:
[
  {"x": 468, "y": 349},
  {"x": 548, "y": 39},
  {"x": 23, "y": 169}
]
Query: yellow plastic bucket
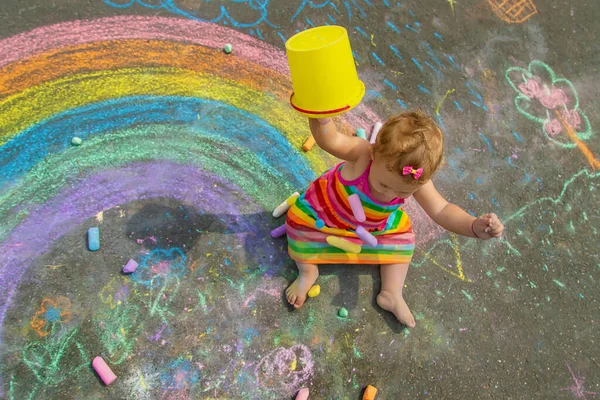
[{"x": 323, "y": 72}]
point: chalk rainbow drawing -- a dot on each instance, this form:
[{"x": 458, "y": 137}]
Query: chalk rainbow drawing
[{"x": 162, "y": 112}]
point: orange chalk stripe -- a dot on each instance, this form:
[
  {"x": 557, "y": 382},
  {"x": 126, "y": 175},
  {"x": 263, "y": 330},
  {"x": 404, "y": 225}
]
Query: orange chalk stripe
[{"x": 573, "y": 136}]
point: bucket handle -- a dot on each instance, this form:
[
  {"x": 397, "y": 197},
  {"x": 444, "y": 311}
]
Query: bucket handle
[{"x": 317, "y": 112}]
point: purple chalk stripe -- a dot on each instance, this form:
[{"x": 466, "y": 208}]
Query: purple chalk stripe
[{"x": 108, "y": 189}]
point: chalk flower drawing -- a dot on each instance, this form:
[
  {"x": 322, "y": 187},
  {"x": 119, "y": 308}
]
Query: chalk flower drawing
[
  {"x": 45, "y": 358},
  {"x": 159, "y": 265},
  {"x": 285, "y": 369},
  {"x": 50, "y": 312},
  {"x": 541, "y": 95}
]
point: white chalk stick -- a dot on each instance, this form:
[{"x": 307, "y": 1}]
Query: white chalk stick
[
  {"x": 283, "y": 207},
  {"x": 374, "y": 132}
]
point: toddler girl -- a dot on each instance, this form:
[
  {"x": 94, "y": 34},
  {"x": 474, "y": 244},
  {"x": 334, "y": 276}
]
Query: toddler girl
[{"x": 400, "y": 164}]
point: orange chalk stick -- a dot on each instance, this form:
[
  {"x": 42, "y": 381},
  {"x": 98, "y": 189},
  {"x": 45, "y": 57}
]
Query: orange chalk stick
[
  {"x": 370, "y": 393},
  {"x": 309, "y": 143}
]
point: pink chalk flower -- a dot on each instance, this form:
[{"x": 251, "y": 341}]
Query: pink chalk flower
[
  {"x": 530, "y": 88},
  {"x": 552, "y": 127},
  {"x": 552, "y": 99},
  {"x": 572, "y": 117}
]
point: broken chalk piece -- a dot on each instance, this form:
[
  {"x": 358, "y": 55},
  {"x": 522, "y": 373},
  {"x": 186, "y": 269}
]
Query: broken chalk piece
[
  {"x": 370, "y": 393},
  {"x": 283, "y": 207},
  {"x": 366, "y": 236},
  {"x": 319, "y": 224},
  {"x": 343, "y": 244},
  {"x": 309, "y": 143},
  {"x": 94, "y": 239},
  {"x": 130, "y": 267},
  {"x": 302, "y": 394},
  {"x": 342, "y": 312},
  {"x": 278, "y": 232},
  {"x": 76, "y": 141},
  {"x": 357, "y": 208},
  {"x": 103, "y": 370},
  {"x": 374, "y": 132},
  {"x": 314, "y": 291},
  {"x": 360, "y": 132},
  {"x": 228, "y": 48}
]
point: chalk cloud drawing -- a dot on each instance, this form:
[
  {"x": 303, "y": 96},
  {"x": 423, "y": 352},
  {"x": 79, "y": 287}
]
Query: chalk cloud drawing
[
  {"x": 545, "y": 99},
  {"x": 257, "y": 10},
  {"x": 513, "y": 11}
]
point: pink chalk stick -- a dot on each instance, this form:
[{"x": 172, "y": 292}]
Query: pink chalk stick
[
  {"x": 302, "y": 394},
  {"x": 357, "y": 208},
  {"x": 278, "y": 232},
  {"x": 366, "y": 236},
  {"x": 130, "y": 267},
  {"x": 103, "y": 370}
]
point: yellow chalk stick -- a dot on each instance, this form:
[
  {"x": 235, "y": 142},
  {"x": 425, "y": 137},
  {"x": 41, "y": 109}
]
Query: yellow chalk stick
[
  {"x": 285, "y": 206},
  {"x": 370, "y": 393},
  {"x": 292, "y": 199},
  {"x": 309, "y": 143},
  {"x": 343, "y": 244},
  {"x": 314, "y": 291}
]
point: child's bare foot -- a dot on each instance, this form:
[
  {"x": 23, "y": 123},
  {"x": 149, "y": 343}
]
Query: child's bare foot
[
  {"x": 296, "y": 292},
  {"x": 394, "y": 302}
]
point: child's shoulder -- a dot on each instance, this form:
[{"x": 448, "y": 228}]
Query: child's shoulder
[{"x": 351, "y": 170}]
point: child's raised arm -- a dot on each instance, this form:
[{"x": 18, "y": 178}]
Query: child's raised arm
[
  {"x": 454, "y": 218},
  {"x": 349, "y": 148}
]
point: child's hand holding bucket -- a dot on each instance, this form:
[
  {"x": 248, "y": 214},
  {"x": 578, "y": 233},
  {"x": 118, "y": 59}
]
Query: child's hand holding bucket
[{"x": 323, "y": 72}]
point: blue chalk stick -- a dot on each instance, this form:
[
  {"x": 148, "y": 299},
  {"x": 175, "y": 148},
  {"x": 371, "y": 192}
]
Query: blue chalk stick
[
  {"x": 360, "y": 132},
  {"x": 94, "y": 238},
  {"x": 320, "y": 224}
]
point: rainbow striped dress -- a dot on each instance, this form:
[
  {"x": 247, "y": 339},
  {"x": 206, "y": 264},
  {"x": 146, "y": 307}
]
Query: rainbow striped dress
[{"x": 327, "y": 199}]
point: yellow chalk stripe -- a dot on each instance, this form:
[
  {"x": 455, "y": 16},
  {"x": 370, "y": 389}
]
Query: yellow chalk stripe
[{"x": 37, "y": 103}]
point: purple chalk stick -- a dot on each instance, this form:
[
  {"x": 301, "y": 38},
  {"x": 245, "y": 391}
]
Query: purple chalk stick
[
  {"x": 130, "y": 267},
  {"x": 357, "y": 208},
  {"x": 366, "y": 236},
  {"x": 278, "y": 232}
]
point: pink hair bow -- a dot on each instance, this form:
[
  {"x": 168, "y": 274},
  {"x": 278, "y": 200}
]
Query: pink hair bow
[{"x": 408, "y": 170}]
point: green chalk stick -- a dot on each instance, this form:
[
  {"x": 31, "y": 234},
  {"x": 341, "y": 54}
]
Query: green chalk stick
[
  {"x": 360, "y": 132},
  {"x": 342, "y": 312},
  {"x": 76, "y": 141},
  {"x": 228, "y": 48}
]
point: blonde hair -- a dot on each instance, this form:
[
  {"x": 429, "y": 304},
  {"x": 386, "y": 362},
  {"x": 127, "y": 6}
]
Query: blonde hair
[{"x": 411, "y": 139}]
